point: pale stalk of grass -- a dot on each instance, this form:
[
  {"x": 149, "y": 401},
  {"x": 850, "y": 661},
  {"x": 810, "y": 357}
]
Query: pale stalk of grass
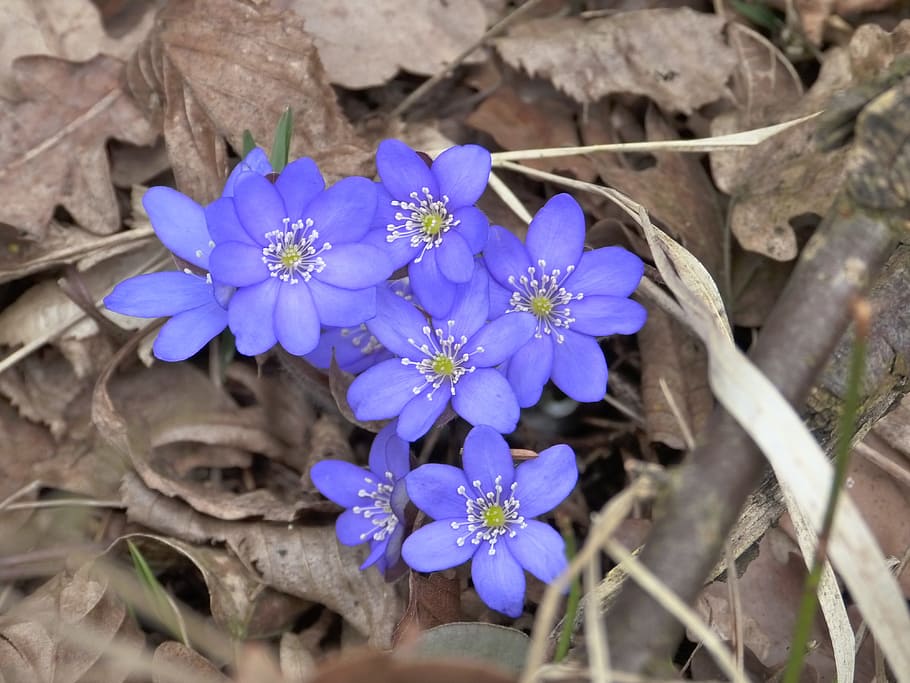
[
  {"x": 595, "y": 632},
  {"x": 65, "y": 502},
  {"x": 736, "y": 609},
  {"x": 509, "y": 199},
  {"x": 688, "y": 439}
]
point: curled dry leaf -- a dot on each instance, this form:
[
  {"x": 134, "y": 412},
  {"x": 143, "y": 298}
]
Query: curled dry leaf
[
  {"x": 677, "y": 57},
  {"x": 55, "y": 143},
  {"x": 212, "y": 68},
  {"x": 364, "y": 44},
  {"x": 433, "y": 600},
  {"x": 185, "y": 664}
]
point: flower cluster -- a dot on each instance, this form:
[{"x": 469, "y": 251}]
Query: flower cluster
[{"x": 481, "y": 322}]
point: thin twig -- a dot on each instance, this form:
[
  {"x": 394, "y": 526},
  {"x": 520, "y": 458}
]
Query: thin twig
[{"x": 66, "y": 502}]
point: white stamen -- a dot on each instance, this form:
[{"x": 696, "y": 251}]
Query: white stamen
[
  {"x": 545, "y": 298},
  {"x": 443, "y": 361},
  {"x": 422, "y": 221},
  {"x": 477, "y": 509},
  {"x": 291, "y": 253},
  {"x": 379, "y": 512}
]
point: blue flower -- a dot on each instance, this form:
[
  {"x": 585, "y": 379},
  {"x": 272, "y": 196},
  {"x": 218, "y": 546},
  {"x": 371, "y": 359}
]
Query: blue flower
[
  {"x": 441, "y": 360},
  {"x": 484, "y": 513},
  {"x": 426, "y": 217},
  {"x": 574, "y": 295},
  {"x": 197, "y": 306},
  {"x": 375, "y": 498},
  {"x": 293, "y": 250}
]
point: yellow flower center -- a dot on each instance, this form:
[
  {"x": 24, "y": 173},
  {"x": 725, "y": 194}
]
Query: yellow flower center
[
  {"x": 443, "y": 365},
  {"x": 541, "y": 306},
  {"x": 494, "y": 516},
  {"x": 432, "y": 224},
  {"x": 290, "y": 257}
]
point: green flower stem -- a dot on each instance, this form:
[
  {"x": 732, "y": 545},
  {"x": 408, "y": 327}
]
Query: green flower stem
[{"x": 565, "y": 637}]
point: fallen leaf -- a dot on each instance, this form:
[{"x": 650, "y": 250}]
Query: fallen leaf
[
  {"x": 677, "y": 57},
  {"x": 192, "y": 666},
  {"x": 365, "y": 44},
  {"x": 296, "y": 660},
  {"x": 433, "y": 599},
  {"x": 55, "y": 150},
  {"x": 385, "y": 668}
]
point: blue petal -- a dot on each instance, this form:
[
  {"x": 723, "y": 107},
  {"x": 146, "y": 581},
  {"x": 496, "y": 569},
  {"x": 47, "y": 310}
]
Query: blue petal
[
  {"x": 603, "y": 315},
  {"x": 396, "y": 322},
  {"x": 399, "y": 252},
  {"x": 487, "y": 456},
  {"x": 296, "y": 320},
  {"x": 610, "y": 271},
  {"x": 344, "y": 212},
  {"x": 419, "y": 414},
  {"x": 473, "y": 227},
  {"x": 159, "y": 294},
  {"x": 390, "y": 453},
  {"x": 377, "y": 552},
  {"x": 339, "y": 481},
  {"x": 499, "y": 579},
  {"x": 485, "y": 397},
  {"x": 238, "y": 264},
  {"x": 501, "y": 338},
  {"x": 463, "y": 173},
  {"x": 530, "y": 368},
  {"x": 472, "y": 305},
  {"x": 433, "y": 488},
  {"x": 179, "y": 223},
  {"x": 256, "y": 162},
  {"x": 399, "y": 499},
  {"x": 393, "y": 549},
  {"x": 456, "y": 262},
  {"x": 545, "y": 481},
  {"x": 259, "y": 207},
  {"x": 539, "y": 549},
  {"x": 383, "y": 390},
  {"x": 250, "y": 316},
  {"x": 557, "y": 234},
  {"x": 223, "y": 223},
  {"x": 499, "y": 299},
  {"x": 433, "y": 291},
  {"x": 434, "y": 547},
  {"x": 579, "y": 367},
  {"x": 505, "y": 257},
  {"x": 403, "y": 171},
  {"x": 339, "y": 307},
  {"x": 339, "y": 339},
  {"x": 354, "y": 266},
  {"x": 299, "y": 183},
  {"x": 186, "y": 333},
  {"x": 353, "y": 529}
]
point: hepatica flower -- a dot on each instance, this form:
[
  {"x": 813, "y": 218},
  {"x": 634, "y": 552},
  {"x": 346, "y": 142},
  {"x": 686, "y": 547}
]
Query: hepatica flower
[
  {"x": 484, "y": 514},
  {"x": 375, "y": 498},
  {"x": 575, "y": 296},
  {"x": 197, "y": 305},
  {"x": 293, "y": 250},
  {"x": 441, "y": 360},
  {"x": 427, "y": 218}
]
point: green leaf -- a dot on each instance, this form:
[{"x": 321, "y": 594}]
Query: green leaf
[
  {"x": 500, "y": 645},
  {"x": 760, "y": 15},
  {"x": 282, "y": 145},
  {"x": 249, "y": 144}
]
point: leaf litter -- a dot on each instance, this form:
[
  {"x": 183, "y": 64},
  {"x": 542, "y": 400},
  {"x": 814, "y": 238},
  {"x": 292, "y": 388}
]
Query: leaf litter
[{"x": 206, "y": 463}]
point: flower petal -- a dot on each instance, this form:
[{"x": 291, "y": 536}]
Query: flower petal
[
  {"x": 456, "y": 262},
  {"x": 256, "y": 162},
  {"x": 603, "y": 315},
  {"x": 463, "y": 173},
  {"x": 344, "y": 212},
  {"x": 579, "y": 367},
  {"x": 353, "y": 529},
  {"x": 399, "y": 252},
  {"x": 158, "y": 294},
  {"x": 250, "y": 316},
  {"x": 433, "y": 291},
  {"x": 396, "y": 322},
  {"x": 186, "y": 333},
  {"x": 350, "y": 357},
  {"x": 530, "y": 368},
  {"x": 433, "y": 488},
  {"x": 383, "y": 390},
  {"x": 339, "y": 481},
  {"x": 485, "y": 397},
  {"x": 610, "y": 271},
  {"x": 434, "y": 547},
  {"x": 472, "y": 305},
  {"x": 419, "y": 414},
  {"x": 238, "y": 264},
  {"x": 377, "y": 552},
  {"x": 296, "y": 320},
  {"x": 501, "y": 338},
  {"x": 299, "y": 183},
  {"x": 338, "y": 307},
  {"x": 545, "y": 481},
  {"x": 259, "y": 207},
  {"x": 354, "y": 266},
  {"x": 473, "y": 227},
  {"x": 539, "y": 549},
  {"x": 505, "y": 257},
  {"x": 389, "y": 453},
  {"x": 403, "y": 171},
  {"x": 499, "y": 299},
  {"x": 179, "y": 223},
  {"x": 557, "y": 234},
  {"x": 499, "y": 579},
  {"x": 224, "y": 225},
  {"x": 487, "y": 456}
]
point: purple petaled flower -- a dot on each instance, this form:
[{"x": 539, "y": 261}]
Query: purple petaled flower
[
  {"x": 574, "y": 295},
  {"x": 375, "y": 498},
  {"x": 197, "y": 306},
  {"x": 293, "y": 250},
  {"x": 426, "y": 217},
  {"x": 484, "y": 512},
  {"x": 439, "y": 360}
]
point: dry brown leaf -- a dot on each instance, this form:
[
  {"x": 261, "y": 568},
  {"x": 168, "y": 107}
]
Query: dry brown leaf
[
  {"x": 55, "y": 143},
  {"x": 677, "y": 57},
  {"x": 433, "y": 600},
  {"x": 297, "y": 661},
  {"x": 364, "y": 44},
  {"x": 814, "y": 14},
  {"x": 178, "y": 657},
  {"x": 212, "y": 68},
  {"x": 756, "y": 285},
  {"x": 385, "y": 668}
]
